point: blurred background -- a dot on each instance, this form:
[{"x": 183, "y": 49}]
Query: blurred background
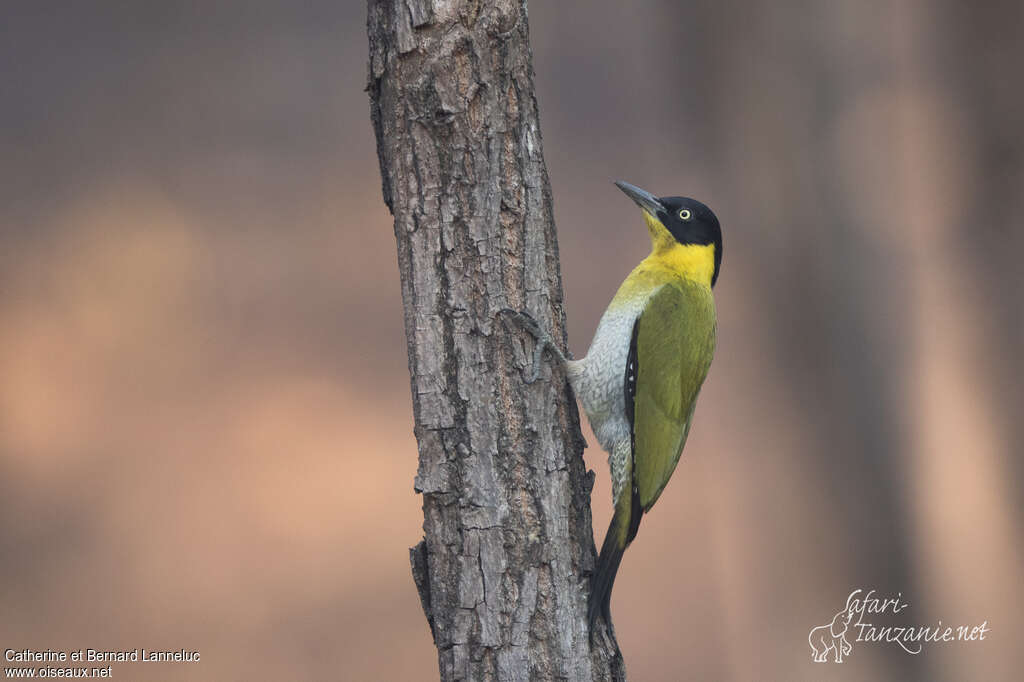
[{"x": 205, "y": 423}]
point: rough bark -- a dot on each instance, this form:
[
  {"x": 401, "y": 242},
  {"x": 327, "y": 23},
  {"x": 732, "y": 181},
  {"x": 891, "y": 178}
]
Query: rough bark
[{"x": 503, "y": 569}]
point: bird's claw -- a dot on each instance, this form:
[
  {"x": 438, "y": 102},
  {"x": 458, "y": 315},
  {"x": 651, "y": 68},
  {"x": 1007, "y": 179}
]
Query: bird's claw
[
  {"x": 541, "y": 340},
  {"x": 525, "y": 320}
]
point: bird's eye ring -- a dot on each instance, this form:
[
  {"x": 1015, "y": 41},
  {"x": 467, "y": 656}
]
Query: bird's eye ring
[{"x": 685, "y": 214}]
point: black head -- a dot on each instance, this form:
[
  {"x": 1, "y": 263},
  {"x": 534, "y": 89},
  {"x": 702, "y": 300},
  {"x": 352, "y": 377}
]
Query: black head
[{"x": 688, "y": 220}]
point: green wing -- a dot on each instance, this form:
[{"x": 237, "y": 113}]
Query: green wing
[{"x": 675, "y": 340}]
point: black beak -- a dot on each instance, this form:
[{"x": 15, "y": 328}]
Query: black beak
[{"x": 642, "y": 197}]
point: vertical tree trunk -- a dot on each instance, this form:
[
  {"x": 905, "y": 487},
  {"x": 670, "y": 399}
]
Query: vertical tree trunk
[{"x": 502, "y": 571}]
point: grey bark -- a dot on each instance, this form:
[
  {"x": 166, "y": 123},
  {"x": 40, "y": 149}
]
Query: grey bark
[{"x": 504, "y": 566}]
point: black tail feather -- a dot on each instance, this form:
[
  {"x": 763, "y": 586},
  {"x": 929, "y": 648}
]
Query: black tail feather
[
  {"x": 608, "y": 563},
  {"x": 604, "y": 577}
]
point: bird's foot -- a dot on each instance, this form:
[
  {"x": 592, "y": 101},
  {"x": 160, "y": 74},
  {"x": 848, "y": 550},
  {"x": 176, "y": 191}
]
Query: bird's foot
[{"x": 541, "y": 340}]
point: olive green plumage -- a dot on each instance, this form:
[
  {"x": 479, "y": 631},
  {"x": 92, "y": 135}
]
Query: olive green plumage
[
  {"x": 670, "y": 352},
  {"x": 675, "y": 342},
  {"x": 640, "y": 379}
]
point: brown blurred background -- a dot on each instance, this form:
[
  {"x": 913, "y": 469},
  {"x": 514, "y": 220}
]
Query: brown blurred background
[{"x": 205, "y": 425}]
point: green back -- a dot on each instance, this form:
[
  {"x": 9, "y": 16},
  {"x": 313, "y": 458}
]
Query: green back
[{"x": 675, "y": 343}]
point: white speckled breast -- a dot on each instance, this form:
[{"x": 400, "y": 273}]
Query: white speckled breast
[{"x": 598, "y": 380}]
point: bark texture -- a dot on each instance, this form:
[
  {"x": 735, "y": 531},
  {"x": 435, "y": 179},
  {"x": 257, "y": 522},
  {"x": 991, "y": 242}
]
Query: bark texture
[{"x": 504, "y": 566}]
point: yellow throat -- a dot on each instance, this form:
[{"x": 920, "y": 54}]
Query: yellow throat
[{"x": 695, "y": 262}]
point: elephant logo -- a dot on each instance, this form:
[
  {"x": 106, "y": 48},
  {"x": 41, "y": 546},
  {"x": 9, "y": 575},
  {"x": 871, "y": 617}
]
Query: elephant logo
[{"x": 832, "y": 637}]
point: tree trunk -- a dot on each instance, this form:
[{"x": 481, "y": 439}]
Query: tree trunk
[{"x": 503, "y": 569}]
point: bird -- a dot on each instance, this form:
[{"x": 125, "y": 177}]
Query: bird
[{"x": 645, "y": 367}]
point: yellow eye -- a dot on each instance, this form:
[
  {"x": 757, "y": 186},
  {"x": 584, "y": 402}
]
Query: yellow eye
[{"x": 685, "y": 214}]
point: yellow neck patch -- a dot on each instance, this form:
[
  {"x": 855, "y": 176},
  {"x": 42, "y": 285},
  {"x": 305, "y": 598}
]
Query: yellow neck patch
[{"x": 695, "y": 262}]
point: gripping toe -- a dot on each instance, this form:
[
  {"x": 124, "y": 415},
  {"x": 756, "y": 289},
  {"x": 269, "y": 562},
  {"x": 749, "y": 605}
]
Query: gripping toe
[
  {"x": 525, "y": 320},
  {"x": 541, "y": 340}
]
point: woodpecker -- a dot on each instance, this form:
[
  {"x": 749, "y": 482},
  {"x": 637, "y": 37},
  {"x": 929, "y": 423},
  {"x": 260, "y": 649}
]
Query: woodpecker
[{"x": 639, "y": 381}]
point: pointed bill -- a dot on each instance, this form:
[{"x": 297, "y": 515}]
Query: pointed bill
[{"x": 642, "y": 197}]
